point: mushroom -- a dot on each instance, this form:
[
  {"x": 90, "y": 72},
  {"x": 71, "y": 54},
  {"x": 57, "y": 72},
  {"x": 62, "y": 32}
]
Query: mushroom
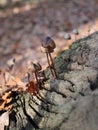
[
  {"x": 11, "y": 64},
  {"x": 67, "y": 36},
  {"x": 35, "y": 68},
  {"x": 48, "y": 46},
  {"x": 38, "y": 67},
  {"x": 75, "y": 32}
]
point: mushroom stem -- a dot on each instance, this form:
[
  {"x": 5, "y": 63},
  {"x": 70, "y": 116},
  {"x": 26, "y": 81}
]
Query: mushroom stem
[
  {"x": 49, "y": 63},
  {"x": 53, "y": 65},
  {"x": 28, "y": 76},
  {"x": 36, "y": 78},
  {"x": 4, "y": 79}
]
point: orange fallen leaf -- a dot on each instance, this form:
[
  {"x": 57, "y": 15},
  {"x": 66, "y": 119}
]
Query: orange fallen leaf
[
  {"x": 7, "y": 94},
  {"x": 2, "y": 105},
  {"x": 8, "y": 100}
]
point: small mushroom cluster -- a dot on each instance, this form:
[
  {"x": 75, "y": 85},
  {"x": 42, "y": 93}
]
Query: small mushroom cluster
[
  {"x": 39, "y": 76},
  {"x": 34, "y": 69},
  {"x": 48, "y": 46}
]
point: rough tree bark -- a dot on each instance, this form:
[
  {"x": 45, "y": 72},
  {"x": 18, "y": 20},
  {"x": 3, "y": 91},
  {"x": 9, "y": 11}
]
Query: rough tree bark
[{"x": 72, "y": 102}]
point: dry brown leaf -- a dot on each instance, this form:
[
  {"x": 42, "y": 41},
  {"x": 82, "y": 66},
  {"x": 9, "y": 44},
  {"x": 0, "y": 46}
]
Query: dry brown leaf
[
  {"x": 5, "y": 99},
  {"x": 8, "y": 100},
  {"x": 2, "y": 104},
  {"x": 7, "y": 94},
  {"x": 32, "y": 87},
  {"x": 7, "y": 108}
]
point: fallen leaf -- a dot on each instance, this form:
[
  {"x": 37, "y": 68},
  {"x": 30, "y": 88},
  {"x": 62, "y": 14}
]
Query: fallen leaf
[{"x": 7, "y": 94}]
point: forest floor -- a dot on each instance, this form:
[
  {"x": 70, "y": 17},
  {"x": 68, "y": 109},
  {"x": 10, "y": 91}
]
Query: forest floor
[{"x": 23, "y": 28}]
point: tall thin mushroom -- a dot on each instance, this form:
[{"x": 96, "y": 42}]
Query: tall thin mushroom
[
  {"x": 33, "y": 68},
  {"x": 67, "y": 37},
  {"x": 75, "y": 32},
  {"x": 48, "y": 46}
]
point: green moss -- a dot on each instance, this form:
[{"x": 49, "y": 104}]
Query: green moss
[
  {"x": 75, "y": 45},
  {"x": 63, "y": 59}
]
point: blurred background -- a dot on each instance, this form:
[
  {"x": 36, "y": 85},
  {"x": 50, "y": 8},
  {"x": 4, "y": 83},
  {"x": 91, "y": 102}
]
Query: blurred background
[{"x": 24, "y": 23}]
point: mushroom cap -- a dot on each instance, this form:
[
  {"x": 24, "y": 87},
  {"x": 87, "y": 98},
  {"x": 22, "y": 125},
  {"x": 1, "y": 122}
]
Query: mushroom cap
[
  {"x": 76, "y": 32},
  {"x": 34, "y": 67},
  {"x": 67, "y": 36},
  {"x": 48, "y": 42},
  {"x": 38, "y": 67},
  {"x": 10, "y": 64}
]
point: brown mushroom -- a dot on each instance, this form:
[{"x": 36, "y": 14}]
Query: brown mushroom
[
  {"x": 48, "y": 46},
  {"x": 75, "y": 32},
  {"x": 35, "y": 68}
]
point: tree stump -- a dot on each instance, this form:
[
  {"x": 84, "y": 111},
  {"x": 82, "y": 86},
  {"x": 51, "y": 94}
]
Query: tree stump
[{"x": 69, "y": 102}]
